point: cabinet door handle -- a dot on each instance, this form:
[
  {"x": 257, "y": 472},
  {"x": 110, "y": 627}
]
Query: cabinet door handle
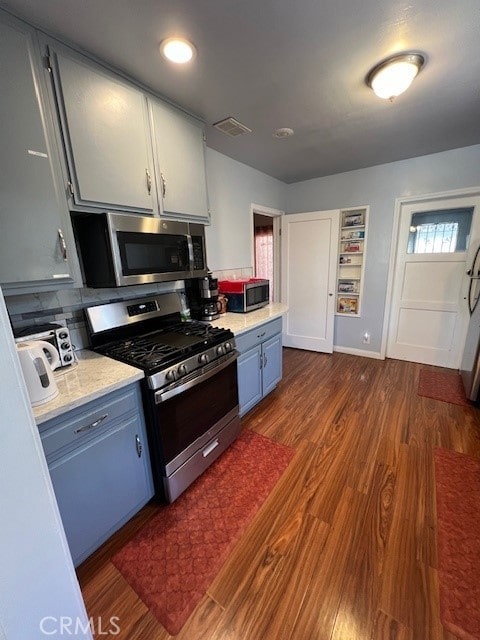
[
  {"x": 87, "y": 427},
  {"x": 265, "y": 360},
  {"x": 63, "y": 244},
  {"x": 164, "y": 185},
  {"x": 261, "y": 360},
  {"x": 149, "y": 181},
  {"x": 138, "y": 445}
]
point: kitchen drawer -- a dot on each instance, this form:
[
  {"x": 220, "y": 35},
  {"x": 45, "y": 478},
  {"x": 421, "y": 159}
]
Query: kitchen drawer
[
  {"x": 202, "y": 459},
  {"x": 87, "y": 422},
  {"x": 247, "y": 341}
]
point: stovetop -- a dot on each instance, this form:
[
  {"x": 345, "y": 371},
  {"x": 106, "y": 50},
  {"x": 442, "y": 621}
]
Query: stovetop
[
  {"x": 159, "y": 349},
  {"x": 147, "y": 333}
]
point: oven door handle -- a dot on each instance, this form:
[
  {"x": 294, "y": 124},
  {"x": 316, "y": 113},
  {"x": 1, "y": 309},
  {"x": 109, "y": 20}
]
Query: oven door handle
[{"x": 162, "y": 396}]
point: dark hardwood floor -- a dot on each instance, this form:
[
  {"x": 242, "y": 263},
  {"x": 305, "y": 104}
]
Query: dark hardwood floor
[{"x": 344, "y": 548}]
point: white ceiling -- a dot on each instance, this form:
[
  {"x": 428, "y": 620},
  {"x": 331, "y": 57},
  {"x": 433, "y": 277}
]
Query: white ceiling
[{"x": 298, "y": 64}]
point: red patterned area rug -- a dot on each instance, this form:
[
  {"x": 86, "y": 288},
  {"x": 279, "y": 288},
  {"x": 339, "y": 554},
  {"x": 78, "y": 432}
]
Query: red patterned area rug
[
  {"x": 442, "y": 385},
  {"x": 458, "y": 523},
  {"x": 173, "y": 559}
]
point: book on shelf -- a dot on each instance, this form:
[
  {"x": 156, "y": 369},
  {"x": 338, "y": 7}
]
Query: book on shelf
[
  {"x": 348, "y": 286},
  {"x": 352, "y": 246},
  {"x": 353, "y": 235},
  {"x": 351, "y": 258},
  {"x": 353, "y": 220},
  {"x": 347, "y": 305}
]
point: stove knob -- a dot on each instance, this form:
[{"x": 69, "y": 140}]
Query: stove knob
[
  {"x": 65, "y": 345},
  {"x": 203, "y": 358},
  {"x": 62, "y": 335},
  {"x": 67, "y": 357},
  {"x": 182, "y": 370},
  {"x": 171, "y": 375},
  {"x": 220, "y": 350},
  {"x": 228, "y": 347}
]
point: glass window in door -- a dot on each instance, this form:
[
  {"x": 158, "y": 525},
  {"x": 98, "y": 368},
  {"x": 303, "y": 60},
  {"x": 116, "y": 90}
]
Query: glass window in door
[{"x": 443, "y": 231}]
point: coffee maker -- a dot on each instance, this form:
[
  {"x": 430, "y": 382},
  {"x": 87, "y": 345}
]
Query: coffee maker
[{"x": 202, "y": 295}]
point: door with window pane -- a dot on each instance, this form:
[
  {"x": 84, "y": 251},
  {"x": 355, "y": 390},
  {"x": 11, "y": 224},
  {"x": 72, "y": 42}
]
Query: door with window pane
[{"x": 429, "y": 313}]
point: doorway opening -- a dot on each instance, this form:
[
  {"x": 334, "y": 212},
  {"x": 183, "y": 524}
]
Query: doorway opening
[{"x": 265, "y": 247}]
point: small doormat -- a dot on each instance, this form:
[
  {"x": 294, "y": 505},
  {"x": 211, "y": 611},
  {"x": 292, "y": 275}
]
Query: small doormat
[
  {"x": 446, "y": 386},
  {"x": 458, "y": 529},
  {"x": 173, "y": 559}
]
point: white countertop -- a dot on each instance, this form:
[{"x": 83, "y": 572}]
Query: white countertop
[
  {"x": 92, "y": 377},
  {"x": 241, "y": 322},
  {"x": 95, "y": 375}
]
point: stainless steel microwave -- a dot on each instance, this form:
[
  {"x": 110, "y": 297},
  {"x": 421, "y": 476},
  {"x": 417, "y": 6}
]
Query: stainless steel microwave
[
  {"x": 245, "y": 294},
  {"x": 119, "y": 249}
]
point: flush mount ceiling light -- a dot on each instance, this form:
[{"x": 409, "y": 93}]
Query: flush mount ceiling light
[
  {"x": 177, "y": 50},
  {"x": 394, "y": 75}
]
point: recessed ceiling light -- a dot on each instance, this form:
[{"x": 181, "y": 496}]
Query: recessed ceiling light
[
  {"x": 177, "y": 50},
  {"x": 394, "y": 75},
  {"x": 283, "y": 132}
]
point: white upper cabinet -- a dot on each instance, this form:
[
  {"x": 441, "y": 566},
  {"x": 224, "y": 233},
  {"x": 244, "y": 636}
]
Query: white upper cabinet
[
  {"x": 105, "y": 129},
  {"x": 36, "y": 241},
  {"x": 179, "y": 149}
]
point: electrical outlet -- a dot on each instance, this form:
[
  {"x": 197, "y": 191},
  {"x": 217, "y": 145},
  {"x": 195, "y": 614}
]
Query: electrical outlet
[{"x": 366, "y": 338}]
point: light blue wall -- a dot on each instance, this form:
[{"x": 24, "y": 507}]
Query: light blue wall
[
  {"x": 379, "y": 187},
  {"x": 232, "y": 188}
]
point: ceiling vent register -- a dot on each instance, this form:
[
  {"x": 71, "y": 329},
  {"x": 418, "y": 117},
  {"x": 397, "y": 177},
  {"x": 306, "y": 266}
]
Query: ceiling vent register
[{"x": 231, "y": 127}]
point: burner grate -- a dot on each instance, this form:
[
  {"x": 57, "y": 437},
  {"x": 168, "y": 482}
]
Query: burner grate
[
  {"x": 142, "y": 351},
  {"x": 196, "y": 329},
  {"x": 161, "y": 348}
]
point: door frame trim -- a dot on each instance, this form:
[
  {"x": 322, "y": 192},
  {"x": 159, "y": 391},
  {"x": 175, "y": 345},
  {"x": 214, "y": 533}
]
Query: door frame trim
[
  {"x": 399, "y": 203},
  {"x": 275, "y": 214}
]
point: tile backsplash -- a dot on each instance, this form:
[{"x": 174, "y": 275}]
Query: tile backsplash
[{"x": 66, "y": 307}]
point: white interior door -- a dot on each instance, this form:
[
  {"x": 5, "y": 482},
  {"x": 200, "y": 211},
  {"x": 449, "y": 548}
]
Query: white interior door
[
  {"x": 309, "y": 263},
  {"x": 429, "y": 313}
]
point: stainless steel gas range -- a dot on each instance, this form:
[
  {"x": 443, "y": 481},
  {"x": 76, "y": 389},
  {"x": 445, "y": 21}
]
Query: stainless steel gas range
[{"x": 190, "y": 392}]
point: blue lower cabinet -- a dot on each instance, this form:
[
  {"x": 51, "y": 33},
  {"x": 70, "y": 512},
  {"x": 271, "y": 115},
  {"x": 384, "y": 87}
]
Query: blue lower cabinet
[
  {"x": 102, "y": 480},
  {"x": 259, "y": 363},
  {"x": 272, "y": 363},
  {"x": 249, "y": 379}
]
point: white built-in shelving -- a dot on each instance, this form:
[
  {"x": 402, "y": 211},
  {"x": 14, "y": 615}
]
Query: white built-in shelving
[{"x": 351, "y": 261}]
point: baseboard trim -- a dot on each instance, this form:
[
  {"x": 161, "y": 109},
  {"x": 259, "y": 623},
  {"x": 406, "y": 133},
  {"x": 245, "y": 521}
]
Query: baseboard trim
[{"x": 359, "y": 352}]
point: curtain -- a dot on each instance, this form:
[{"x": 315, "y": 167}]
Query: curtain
[{"x": 264, "y": 255}]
